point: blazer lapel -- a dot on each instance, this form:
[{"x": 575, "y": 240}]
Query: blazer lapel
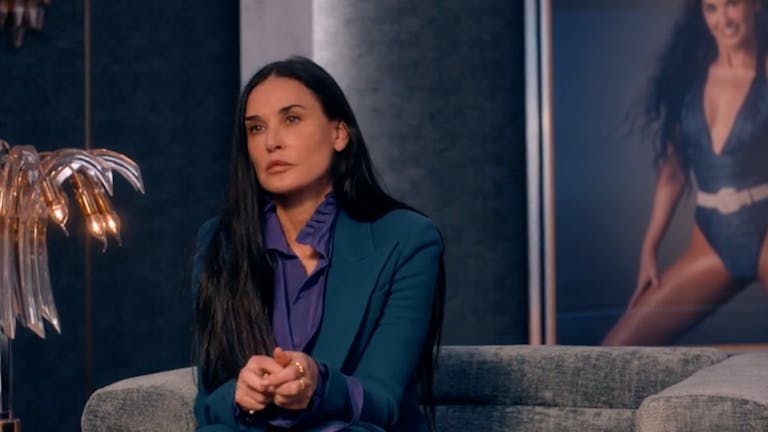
[{"x": 355, "y": 268}]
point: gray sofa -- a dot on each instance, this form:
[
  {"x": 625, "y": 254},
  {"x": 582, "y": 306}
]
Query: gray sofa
[{"x": 521, "y": 388}]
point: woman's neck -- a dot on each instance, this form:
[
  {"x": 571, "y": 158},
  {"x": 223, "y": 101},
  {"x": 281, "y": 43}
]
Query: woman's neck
[{"x": 294, "y": 210}]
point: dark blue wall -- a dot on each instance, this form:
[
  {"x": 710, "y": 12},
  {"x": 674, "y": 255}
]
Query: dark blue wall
[
  {"x": 42, "y": 104},
  {"x": 165, "y": 80},
  {"x": 165, "y": 86}
]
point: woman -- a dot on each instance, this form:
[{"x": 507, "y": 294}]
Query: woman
[
  {"x": 709, "y": 104},
  {"x": 319, "y": 296}
]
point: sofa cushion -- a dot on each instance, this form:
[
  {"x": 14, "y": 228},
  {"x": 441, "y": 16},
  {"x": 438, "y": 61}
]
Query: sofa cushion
[
  {"x": 564, "y": 376},
  {"x": 500, "y": 418},
  {"x": 729, "y": 396},
  {"x": 151, "y": 403}
]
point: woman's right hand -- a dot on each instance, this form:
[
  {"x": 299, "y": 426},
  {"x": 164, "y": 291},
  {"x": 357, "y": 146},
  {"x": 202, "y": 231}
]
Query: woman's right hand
[
  {"x": 647, "y": 277},
  {"x": 251, "y": 392}
]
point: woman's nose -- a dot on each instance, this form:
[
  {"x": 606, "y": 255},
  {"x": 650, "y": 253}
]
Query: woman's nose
[
  {"x": 727, "y": 15},
  {"x": 274, "y": 140}
]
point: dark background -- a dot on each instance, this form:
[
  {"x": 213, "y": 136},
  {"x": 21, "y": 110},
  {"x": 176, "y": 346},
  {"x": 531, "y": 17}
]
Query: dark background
[{"x": 439, "y": 93}]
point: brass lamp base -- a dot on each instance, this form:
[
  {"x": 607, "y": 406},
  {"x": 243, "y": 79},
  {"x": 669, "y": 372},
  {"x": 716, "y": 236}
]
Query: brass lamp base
[{"x": 10, "y": 425}]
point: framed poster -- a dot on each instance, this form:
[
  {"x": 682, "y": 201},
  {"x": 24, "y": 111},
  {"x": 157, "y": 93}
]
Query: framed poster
[{"x": 593, "y": 171}]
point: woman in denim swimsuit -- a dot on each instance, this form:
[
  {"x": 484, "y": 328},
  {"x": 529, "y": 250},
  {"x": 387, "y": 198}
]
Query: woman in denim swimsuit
[
  {"x": 708, "y": 104},
  {"x": 732, "y": 209}
]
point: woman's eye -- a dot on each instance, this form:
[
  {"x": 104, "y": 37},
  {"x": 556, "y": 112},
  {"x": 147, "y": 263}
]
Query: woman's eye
[
  {"x": 292, "y": 119},
  {"x": 254, "y": 129}
]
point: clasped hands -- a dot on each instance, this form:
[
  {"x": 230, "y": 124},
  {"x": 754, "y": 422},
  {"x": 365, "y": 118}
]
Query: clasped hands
[{"x": 288, "y": 378}]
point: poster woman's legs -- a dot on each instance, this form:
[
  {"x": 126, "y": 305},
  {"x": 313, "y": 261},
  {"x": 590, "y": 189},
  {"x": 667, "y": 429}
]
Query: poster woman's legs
[{"x": 695, "y": 285}]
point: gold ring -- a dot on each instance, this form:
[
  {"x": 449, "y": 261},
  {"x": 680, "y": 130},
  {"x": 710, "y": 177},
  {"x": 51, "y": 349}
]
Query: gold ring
[
  {"x": 302, "y": 384},
  {"x": 299, "y": 369}
]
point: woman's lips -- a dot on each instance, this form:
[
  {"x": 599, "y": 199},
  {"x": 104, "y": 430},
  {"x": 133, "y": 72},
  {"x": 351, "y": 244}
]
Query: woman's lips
[
  {"x": 277, "y": 166},
  {"x": 730, "y": 29}
]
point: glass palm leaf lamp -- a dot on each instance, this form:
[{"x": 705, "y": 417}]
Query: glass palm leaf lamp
[
  {"x": 32, "y": 192},
  {"x": 18, "y": 16}
]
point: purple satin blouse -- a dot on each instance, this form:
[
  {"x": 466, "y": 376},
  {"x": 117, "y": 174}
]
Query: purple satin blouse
[{"x": 298, "y": 299}]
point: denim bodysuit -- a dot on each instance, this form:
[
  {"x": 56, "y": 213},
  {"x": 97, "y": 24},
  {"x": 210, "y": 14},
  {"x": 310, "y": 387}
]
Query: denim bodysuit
[{"x": 736, "y": 235}]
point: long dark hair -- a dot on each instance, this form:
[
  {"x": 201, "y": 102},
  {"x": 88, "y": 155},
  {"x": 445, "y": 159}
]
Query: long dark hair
[
  {"x": 234, "y": 305},
  {"x": 684, "y": 62}
]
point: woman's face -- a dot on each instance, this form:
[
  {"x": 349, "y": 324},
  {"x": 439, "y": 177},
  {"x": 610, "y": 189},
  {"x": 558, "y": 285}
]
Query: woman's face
[
  {"x": 731, "y": 22},
  {"x": 290, "y": 140}
]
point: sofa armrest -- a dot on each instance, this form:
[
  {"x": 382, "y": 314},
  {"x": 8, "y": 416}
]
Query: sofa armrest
[
  {"x": 732, "y": 395},
  {"x": 158, "y": 402}
]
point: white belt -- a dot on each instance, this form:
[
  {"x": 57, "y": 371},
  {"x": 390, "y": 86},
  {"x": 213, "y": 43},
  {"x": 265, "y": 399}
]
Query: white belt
[{"x": 730, "y": 200}]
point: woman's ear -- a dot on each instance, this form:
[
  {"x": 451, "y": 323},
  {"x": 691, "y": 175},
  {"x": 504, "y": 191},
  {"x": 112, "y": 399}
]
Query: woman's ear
[{"x": 341, "y": 136}]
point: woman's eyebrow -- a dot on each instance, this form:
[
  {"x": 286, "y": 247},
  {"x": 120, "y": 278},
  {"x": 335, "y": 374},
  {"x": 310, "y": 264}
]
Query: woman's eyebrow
[
  {"x": 287, "y": 108},
  {"x": 282, "y": 110}
]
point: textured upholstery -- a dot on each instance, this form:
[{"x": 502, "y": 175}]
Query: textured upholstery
[
  {"x": 513, "y": 418},
  {"x": 556, "y": 388},
  {"x": 156, "y": 402},
  {"x": 730, "y": 396},
  {"x": 578, "y": 376},
  {"x": 518, "y": 388}
]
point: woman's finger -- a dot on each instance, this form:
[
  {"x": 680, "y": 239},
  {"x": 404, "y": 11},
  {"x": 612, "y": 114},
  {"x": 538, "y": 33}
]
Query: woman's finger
[
  {"x": 250, "y": 400},
  {"x": 262, "y": 365},
  {"x": 285, "y": 375},
  {"x": 642, "y": 285},
  {"x": 281, "y": 357},
  {"x": 654, "y": 279},
  {"x": 293, "y": 388},
  {"x": 293, "y": 395},
  {"x": 255, "y": 381}
]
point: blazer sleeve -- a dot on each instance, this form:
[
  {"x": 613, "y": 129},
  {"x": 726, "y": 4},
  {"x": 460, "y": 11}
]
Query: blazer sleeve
[
  {"x": 216, "y": 407},
  {"x": 388, "y": 363}
]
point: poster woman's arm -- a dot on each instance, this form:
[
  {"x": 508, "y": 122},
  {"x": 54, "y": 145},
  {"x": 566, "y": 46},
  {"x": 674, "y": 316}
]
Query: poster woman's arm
[{"x": 670, "y": 183}]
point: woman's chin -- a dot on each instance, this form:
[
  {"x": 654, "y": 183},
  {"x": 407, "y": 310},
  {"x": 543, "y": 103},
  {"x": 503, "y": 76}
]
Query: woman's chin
[{"x": 291, "y": 191}]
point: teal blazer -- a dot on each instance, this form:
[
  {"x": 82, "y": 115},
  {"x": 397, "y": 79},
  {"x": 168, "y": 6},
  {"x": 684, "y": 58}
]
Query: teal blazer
[{"x": 377, "y": 307}]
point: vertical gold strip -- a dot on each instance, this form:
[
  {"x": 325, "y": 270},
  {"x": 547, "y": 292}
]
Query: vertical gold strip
[
  {"x": 87, "y": 138},
  {"x": 548, "y": 176}
]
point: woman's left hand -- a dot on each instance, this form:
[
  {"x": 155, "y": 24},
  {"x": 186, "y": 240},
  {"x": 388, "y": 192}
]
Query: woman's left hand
[{"x": 296, "y": 383}]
